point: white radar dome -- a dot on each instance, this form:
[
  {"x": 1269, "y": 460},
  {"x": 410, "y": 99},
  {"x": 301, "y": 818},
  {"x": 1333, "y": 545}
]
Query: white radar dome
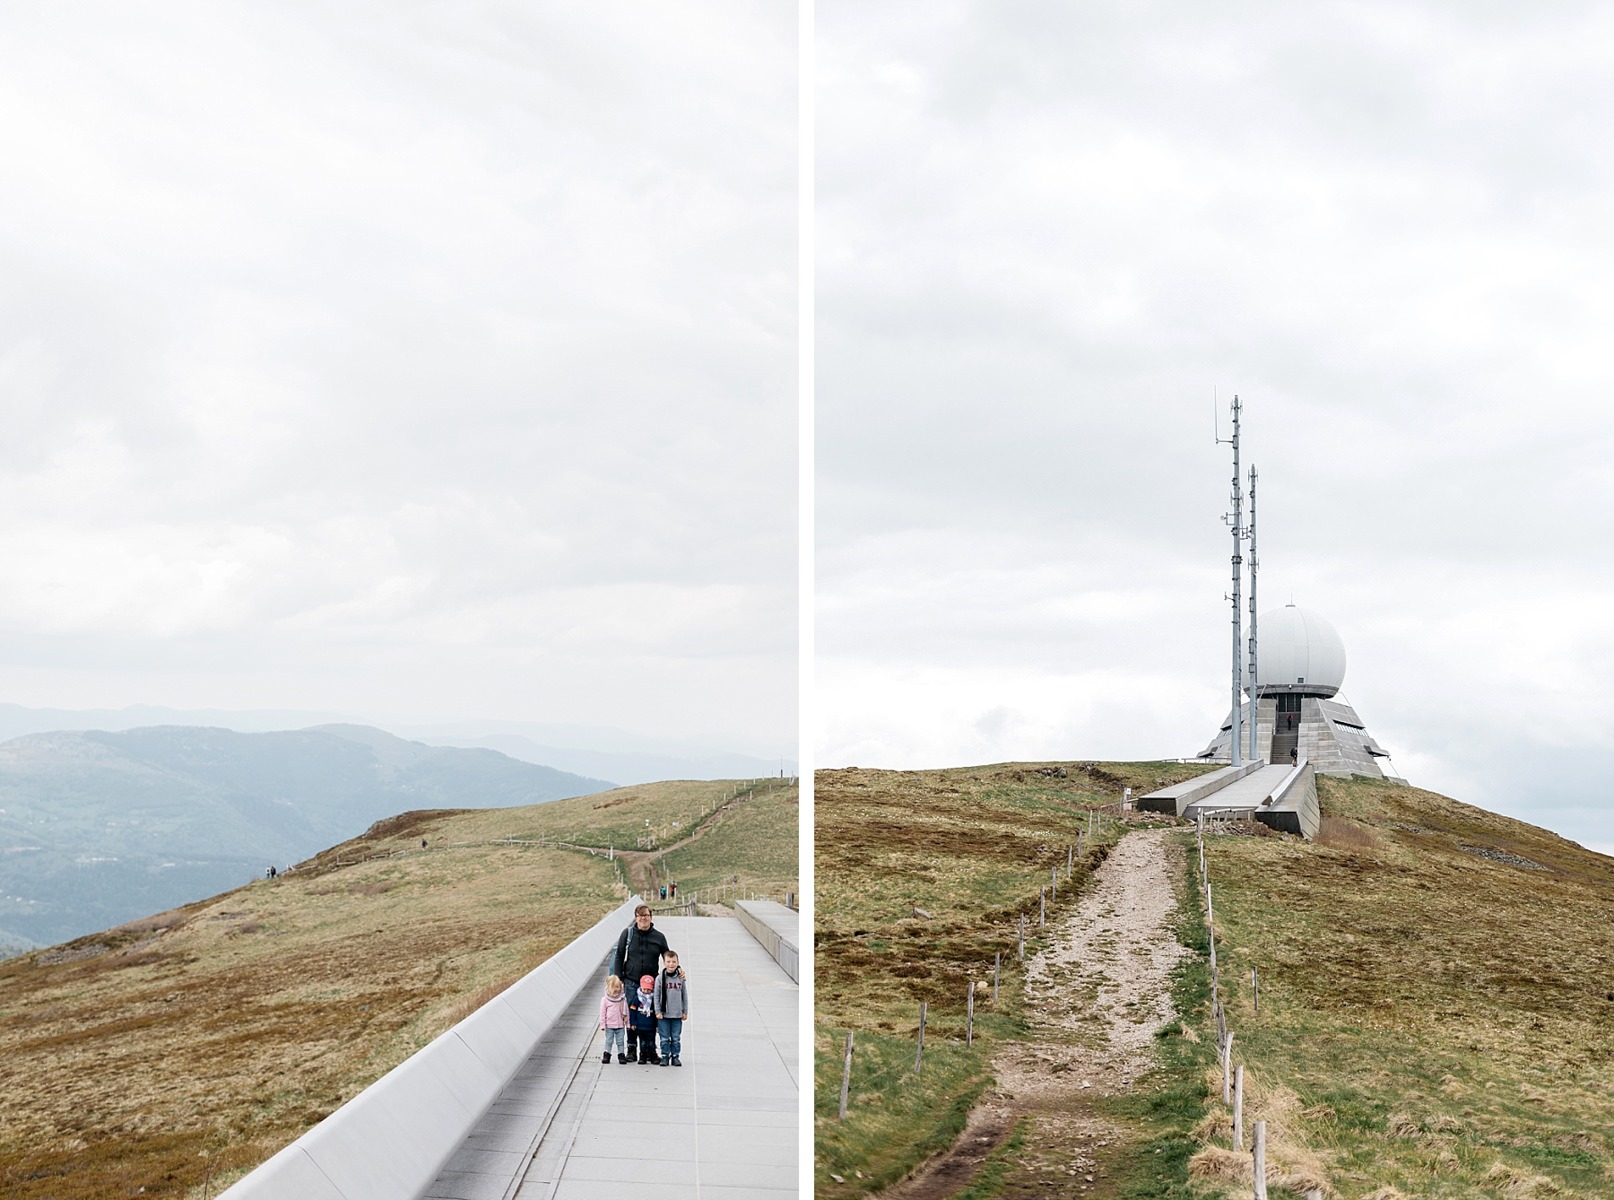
[{"x": 1298, "y": 651}]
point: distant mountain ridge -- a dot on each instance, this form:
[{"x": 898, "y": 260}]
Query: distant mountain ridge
[
  {"x": 101, "y": 827},
  {"x": 599, "y": 752},
  {"x": 627, "y": 767}
]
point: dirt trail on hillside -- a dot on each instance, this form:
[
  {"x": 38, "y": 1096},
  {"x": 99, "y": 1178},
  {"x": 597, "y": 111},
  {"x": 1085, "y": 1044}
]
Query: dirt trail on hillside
[
  {"x": 1094, "y": 999},
  {"x": 639, "y": 866}
]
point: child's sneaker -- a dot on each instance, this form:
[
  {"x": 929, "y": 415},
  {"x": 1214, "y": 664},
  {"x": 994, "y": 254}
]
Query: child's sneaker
[
  {"x": 632, "y": 1054},
  {"x": 677, "y": 1062},
  {"x": 620, "y": 1057},
  {"x": 606, "y": 1057}
]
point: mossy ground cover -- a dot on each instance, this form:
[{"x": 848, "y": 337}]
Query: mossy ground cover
[
  {"x": 174, "y": 1053},
  {"x": 968, "y": 849},
  {"x": 1436, "y": 995}
]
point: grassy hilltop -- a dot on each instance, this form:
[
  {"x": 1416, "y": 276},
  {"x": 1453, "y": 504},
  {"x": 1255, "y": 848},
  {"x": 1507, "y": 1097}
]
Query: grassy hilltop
[
  {"x": 171, "y": 1054},
  {"x": 1436, "y": 1012}
]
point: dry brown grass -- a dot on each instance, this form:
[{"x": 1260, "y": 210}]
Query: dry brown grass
[
  {"x": 1339, "y": 834},
  {"x": 1521, "y": 1185}
]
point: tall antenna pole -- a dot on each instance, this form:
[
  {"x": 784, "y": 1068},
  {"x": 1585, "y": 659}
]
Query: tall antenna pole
[
  {"x": 1255, "y": 563},
  {"x": 1236, "y": 521}
]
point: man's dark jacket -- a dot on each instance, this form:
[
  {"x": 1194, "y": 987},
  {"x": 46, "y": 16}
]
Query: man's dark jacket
[{"x": 637, "y": 954}]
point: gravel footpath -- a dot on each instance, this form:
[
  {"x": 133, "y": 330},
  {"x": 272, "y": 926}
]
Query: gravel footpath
[{"x": 1094, "y": 999}]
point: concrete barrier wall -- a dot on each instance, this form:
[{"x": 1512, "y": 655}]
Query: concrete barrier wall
[
  {"x": 390, "y": 1141},
  {"x": 774, "y": 926},
  {"x": 1294, "y": 807}
]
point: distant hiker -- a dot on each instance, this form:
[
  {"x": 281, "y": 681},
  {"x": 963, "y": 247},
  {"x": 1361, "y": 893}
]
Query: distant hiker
[
  {"x": 422, "y": 843},
  {"x": 1294, "y": 755},
  {"x": 672, "y": 889},
  {"x": 638, "y": 952},
  {"x": 672, "y": 1009},
  {"x": 664, "y": 891},
  {"x": 614, "y": 1020},
  {"x": 642, "y": 1031}
]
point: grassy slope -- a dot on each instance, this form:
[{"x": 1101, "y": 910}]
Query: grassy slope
[
  {"x": 618, "y": 817},
  {"x": 753, "y": 846},
  {"x": 970, "y": 847},
  {"x": 198, "y": 1042},
  {"x": 1431, "y": 1019}
]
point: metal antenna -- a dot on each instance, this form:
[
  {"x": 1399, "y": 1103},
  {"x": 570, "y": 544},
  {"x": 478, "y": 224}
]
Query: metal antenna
[
  {"x": 1255, "y": 563},
  {"x": 1235, "y": 519}
]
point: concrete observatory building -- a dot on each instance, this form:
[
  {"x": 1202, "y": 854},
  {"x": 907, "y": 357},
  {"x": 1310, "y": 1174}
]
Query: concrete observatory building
[{"x": 1301, "y": 665}]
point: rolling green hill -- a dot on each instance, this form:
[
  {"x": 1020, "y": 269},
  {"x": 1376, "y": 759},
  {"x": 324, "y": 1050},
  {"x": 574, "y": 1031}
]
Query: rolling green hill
[{"x": 98, "y": 828}]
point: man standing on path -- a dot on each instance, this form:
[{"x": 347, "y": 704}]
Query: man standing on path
[{"x": 638, "y": 951}]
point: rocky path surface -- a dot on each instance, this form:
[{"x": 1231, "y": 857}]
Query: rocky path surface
[{"x": 1094, "y": 999}]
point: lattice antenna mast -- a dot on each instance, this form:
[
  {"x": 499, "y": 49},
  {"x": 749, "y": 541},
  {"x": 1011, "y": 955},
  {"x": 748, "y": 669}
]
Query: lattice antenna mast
[
  {"x": 1235, "y": 521},
  {"x": 1255, "y": 564}
]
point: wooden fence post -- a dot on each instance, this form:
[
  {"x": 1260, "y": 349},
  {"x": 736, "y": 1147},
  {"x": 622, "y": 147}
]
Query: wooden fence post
[
  {"x": 1260, "y": 1155},
  {"x": 1255, "y": 989},
  {"x": 1021, "y": 953},
  {"x": 1238, "y": 1108},
  {"x": 997, "y": 961},
  {"x": 1070, "y": 860},
  {"x": 969, "y": 1013},
  {"x": 1042, "y": 906},
  {"x": 1053, "y": 882},
  {"x": 919, "y": 1057},
  {"x": 846, "y": 1074},
  {"x": 1227, "y": 1073}
]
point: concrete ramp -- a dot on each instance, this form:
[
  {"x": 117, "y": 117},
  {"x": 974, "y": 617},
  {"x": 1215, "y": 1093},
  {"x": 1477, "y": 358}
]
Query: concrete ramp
[
  {"x": 1248, "y": 791},
  {"x": 1176, "y": 798},
  {"x": 1279, "y": 796}
]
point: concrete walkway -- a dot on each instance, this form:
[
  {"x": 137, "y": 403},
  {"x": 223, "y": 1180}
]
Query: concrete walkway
[{"x": 721, "y": 1127}]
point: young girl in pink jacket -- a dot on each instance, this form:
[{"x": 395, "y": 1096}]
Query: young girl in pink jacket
[{"x": 614, "y": 1019}]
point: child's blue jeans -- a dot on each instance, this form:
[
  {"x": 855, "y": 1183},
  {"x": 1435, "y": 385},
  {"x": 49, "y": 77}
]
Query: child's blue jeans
[
  {"x": 672, "y": 1035},
  {"x": 617, "y": 1038}
]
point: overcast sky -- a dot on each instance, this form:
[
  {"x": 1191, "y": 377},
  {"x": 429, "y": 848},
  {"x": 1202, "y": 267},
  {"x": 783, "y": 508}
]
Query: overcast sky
[
  {"x": 1047, "y": 234},
  {"x": 420, "y": 360}
]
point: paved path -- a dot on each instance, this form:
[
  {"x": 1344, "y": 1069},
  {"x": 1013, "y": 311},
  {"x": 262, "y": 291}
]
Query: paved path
[{"x": 721, "y": 1127}]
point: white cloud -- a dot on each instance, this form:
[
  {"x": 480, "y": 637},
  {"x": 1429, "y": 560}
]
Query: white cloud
[{"x": 342, "y": 342}]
